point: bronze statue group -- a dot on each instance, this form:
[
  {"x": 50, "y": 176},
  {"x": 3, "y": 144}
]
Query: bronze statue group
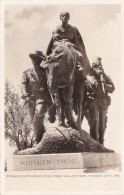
[{"x": 63, "y": 82}]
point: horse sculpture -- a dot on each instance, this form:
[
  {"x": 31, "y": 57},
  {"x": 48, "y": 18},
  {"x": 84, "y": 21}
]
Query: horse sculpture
[{"x": 60, "y": 68}]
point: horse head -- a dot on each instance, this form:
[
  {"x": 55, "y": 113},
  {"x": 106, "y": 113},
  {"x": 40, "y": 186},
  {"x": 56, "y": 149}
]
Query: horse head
[
  {"x": 59, "y": 66},
  {"x": 52, "y": 67}
]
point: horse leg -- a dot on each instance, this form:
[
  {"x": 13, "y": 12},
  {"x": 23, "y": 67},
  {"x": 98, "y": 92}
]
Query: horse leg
[
  {"x": 67, "y": 93},
  {"x": 79, "y": 108},
  {"x": 58, "y": 109},
  {"x": 82, "y": 116},
  {"x": 62, "y": 109}
]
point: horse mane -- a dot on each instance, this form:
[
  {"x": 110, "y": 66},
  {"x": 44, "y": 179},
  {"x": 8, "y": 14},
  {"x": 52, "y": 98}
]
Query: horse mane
[
  {"x": 63, "y": 43},
  {"x": 61, "y": 47}
]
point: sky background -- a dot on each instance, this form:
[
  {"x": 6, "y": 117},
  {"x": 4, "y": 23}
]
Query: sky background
[{"x": 29, "y": 28}]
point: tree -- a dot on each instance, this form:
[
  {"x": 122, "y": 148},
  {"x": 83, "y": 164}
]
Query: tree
[{"x": 18, "y": 128}]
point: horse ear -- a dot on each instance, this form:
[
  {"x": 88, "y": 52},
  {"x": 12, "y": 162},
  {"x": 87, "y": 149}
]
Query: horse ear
[
  {"x": 44, "y": 64},
  {"x": 57, "y": 64},
  {"x": 59, "y": 55}
]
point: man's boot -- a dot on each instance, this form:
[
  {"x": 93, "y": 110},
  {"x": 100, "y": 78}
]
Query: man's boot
[
  {"x": 52, "y": 114},
  {"x": 38, "y": 129}
]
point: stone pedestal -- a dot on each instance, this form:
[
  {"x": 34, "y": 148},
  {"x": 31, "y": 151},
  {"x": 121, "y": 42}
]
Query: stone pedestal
[{"x": 64, "y": 161}]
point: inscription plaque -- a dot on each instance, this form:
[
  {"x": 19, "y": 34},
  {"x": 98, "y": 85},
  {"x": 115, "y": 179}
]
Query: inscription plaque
[
  {"x": 47, "y": 161},
  {"x": 64, "y": 161}
]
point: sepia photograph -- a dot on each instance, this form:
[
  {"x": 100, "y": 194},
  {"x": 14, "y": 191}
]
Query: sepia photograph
[{"x": 62, "y": 111}]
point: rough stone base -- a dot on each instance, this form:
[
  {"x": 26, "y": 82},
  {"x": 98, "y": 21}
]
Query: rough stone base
[
  {"x": 64, "y": 161},
  {"x": 58, "y": 140}
]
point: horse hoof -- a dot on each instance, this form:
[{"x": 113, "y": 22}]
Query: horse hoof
[
  {"x": 52, "y": 119},
  {"x": 62, "y": 125},
  {"x": 72, "y": 125}
]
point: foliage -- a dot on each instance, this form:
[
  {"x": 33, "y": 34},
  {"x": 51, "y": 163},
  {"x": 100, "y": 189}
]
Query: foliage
[{"x": 18, "y": 128}]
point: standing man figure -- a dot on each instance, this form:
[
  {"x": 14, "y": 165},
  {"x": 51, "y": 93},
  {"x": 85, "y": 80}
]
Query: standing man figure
[
  {"x": 98, "y": 100},
  {"x": 35, "y": 93}
]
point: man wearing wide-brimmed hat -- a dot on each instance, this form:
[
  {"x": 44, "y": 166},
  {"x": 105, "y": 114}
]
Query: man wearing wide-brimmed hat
[{"x": 36, "y": 94}]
